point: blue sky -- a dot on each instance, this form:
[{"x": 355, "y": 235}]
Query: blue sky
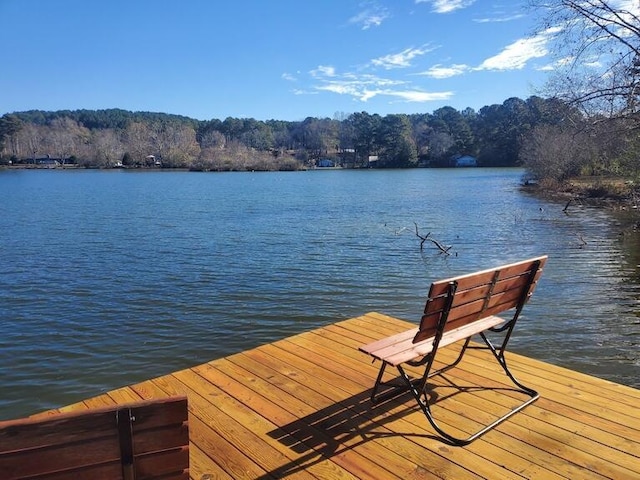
[{"x": 267, "y": 59}]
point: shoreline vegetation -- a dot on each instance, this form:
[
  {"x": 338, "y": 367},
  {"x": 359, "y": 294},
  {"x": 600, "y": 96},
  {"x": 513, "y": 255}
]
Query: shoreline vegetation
[
  {"x": 615, "y": 193},
  {"x": 618, "y": 195},
  {"x": 492, "y": 136}
]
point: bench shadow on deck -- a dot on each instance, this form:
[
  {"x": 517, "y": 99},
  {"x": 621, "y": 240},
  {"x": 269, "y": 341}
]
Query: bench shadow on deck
[
  {"x": 338, "y": 428},
  {"x": 300, "y": 408},
  {"x": 354, "y": 421}
]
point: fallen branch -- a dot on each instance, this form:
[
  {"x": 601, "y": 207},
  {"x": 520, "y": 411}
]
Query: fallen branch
[
  {"x": 442, "y": 248},
  {"x": 424, "y": 238}
]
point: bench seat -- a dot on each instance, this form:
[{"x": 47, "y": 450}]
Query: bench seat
[{"x": 398, "y": 349}]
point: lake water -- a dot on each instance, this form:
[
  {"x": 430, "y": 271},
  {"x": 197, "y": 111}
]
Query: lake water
[{"x": 112, "y": 277}]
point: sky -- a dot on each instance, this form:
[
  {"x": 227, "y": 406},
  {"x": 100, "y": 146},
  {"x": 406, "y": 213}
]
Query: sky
[{"x": 268, "y": 59}]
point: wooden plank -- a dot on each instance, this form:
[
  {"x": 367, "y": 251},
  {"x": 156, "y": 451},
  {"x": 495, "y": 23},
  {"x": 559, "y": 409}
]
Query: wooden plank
[
  {"x": 282, "y": 409},
  {"x": 625, "y": 398},
  {"x": 253, "y": 457},
  {"x": 564, "y": 443},
  {"x": 587, "y": 442},
  {"x": 545, "y": 379},
  {"x": 111, "y": 471},
  {"x": 583, "y": 400},
  {"x": 203, "y": 463},
  {"x": 90, "y": 441},
  {"x": 386, "y": 325},
  {"x": 103, "y": 452},
  {"x": 213, "y": 453},
  {"x": 481, "y": 277},
  {"x": 24, "y": 434},
  {"x": 124, "y": 395},
  {"x": 172, "y": 463},
  {"x": 324, "y": 415},
  {"x": 217, "y": 456},
  {"x": 334, "y": 419},
  {"x": 267, "y": 454},
  {"x": 101, "y": 401},
  {"x": 488, "y": 292},
  {"x": 400, "y": 348},
  {"x": 391, "y": 341}
]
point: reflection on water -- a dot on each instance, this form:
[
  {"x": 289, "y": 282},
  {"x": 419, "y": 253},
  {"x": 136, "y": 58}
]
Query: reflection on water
[{"x": 110, "y": 278}]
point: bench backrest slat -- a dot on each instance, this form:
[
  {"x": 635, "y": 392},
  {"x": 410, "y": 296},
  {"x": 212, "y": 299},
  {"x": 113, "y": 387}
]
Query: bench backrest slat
[
  {"x": 88, "y": 444},
  {"x": 478, "y": 295}
]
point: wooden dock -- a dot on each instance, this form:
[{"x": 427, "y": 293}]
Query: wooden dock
[{"x": 299, "y": 408}]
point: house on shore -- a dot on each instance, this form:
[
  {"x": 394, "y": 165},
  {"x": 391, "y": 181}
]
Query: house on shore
[
  {"x": 325, "y": 163},
  {"x": 464, "y": 161}
]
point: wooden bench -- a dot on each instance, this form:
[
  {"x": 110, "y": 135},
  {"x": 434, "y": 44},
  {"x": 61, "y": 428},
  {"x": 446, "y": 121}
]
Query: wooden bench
[
  {"x": 456, "y": 309},
  {"x": 146, "y": 440}
]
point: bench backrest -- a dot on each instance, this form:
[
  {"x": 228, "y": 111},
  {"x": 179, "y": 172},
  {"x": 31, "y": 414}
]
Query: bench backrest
[
  {"x": 142, "y": 440},
  {"x": 458, "y": 301}
]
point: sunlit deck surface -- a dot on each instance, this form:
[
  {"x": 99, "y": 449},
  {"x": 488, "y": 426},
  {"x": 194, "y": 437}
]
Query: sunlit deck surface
[{"x": 299, "y": 408}]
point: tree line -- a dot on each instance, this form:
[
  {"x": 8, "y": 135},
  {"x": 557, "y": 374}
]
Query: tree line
[
  {"x": 108, "y": 138},
  {"x": 551, "y": 138}
]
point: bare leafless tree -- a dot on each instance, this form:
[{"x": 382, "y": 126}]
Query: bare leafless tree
[
  {"x": 596, "y": 45},
  {"x": 554, "y": 153},
  {"x": 107, "y": 147}
]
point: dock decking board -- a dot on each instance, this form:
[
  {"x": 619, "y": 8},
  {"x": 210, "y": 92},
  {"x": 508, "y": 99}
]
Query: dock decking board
[{"x": 299, "y": 408}]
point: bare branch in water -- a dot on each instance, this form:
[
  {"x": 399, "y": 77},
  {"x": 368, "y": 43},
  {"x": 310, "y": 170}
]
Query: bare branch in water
[
  {"x": 567, "y": 205},
  {"x": 424, "y": 238},
  {"x": 442, "y": 248}
]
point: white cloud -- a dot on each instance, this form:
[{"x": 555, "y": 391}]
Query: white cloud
[
  {"x": 365, "y": 87},
  {"x": 549, "y": 67},
  {"x": 323, "y": 71},
  {"x": 399, "y": 60},
  {"x": 373, "y": 80},
  {"x": 364, "y": 93},
  {"x": 288, "y": 77},
  {"x": 373, "y": 16},
  {"x": 440, "y": 71},
  {"x": 500, "y": 19},
  {"x": 447, "y": 6},
  {"x": 418, "y": 96},
  {"x": 516, "y": 55},
  {"x": 297, "y": 91},
  {"x": 360, "y": 92}
]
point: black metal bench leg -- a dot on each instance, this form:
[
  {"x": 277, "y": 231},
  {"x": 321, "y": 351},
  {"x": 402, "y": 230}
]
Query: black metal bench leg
[
  {"x": 498, "y": 353},
  {"x": 433, "y": 373},
  {"x": 426, "y": 409},
  {"x": 395, "y": 390},
  {"x": 376, "y": 386},
  {"x": 423, "y": 403}
]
